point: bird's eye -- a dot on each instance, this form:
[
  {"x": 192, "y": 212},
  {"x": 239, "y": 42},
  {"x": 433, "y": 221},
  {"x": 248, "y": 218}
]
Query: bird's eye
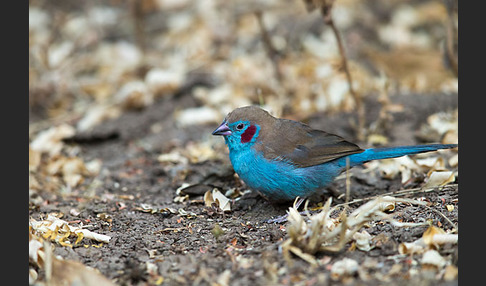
[{"x": 239, "y": 126}]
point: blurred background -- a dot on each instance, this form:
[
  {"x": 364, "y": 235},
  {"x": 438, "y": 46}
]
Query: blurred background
[{"x": 90, "y": 61}]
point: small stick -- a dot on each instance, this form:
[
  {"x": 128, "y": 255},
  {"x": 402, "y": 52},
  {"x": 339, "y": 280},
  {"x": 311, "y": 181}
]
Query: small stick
[
  {"x": 348, "y": 182},
  {"x": 138, "y": 24},
  {"x": 451, "y": 33},
  {"x": 326, "y": 9},
  {"x": 272, "y": 52},
  {"x": 397, "y": 194}
]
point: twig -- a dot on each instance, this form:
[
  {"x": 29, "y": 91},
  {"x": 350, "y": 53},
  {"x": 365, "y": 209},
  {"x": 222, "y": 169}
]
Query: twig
[
  {"x": 348, "y": 181},
  {"x": 138, "y": 23},
  {"x": 451, "y": 6},
  {"x": 48, "y": 262},
  {"x": 326, "y": 10},
  {"x": 456, "y": 228},
  {"x": 383, "y": 123},
  {"x": 397, "y": 194},
  {"x": 274, "y": 55},
  {"x": 270, "y": 49},
  {"x": 403, "y": 193}
]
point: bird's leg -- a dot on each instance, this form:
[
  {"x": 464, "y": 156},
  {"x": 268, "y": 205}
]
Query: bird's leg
[
  {"x": 298, "y": 203},
  {"x": 282, "y": 219}
]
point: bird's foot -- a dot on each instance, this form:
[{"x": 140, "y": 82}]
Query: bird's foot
[
  {"x": 284, "y": 218},
  {"x": 280, "y": 219}
]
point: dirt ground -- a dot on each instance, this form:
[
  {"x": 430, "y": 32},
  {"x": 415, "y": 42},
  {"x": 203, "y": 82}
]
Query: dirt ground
[
  {"x": 136, "y": 191},
  {"x": 124, "y": 95}
]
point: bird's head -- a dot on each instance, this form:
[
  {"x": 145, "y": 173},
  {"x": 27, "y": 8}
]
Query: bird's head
[{"x": 241, "y": 127}]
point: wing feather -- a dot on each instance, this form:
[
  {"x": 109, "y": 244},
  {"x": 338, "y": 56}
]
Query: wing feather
[{"x": 300, "y": 145}]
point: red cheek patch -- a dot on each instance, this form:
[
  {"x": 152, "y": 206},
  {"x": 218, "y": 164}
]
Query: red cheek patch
[{"x": 248, "y": 134}]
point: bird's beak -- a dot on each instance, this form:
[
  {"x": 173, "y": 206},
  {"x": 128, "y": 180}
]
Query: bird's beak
[{"x": 222, "y": 130}]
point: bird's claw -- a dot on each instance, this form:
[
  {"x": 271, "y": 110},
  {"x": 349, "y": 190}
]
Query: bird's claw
[{"x": 280, "y": 219}]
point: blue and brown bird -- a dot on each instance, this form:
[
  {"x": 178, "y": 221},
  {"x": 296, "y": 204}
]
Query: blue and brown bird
[{"x": 283, "y": 159}]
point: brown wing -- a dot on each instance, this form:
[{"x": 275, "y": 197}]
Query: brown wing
[{"x": 303, "y": 146}]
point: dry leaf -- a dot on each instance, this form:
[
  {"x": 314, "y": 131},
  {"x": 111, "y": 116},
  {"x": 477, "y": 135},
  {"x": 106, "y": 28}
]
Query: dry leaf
[
  {"x": 160, "y": 81},
  {"x": 69, "y": 272},
  {"x": 318, "y": 236},
  {"x": 390, "y": 168},
  {"x": 443, "y": 122},
  {"x": 134, "y": 95},
  {"x": 431, "y": 239},
  {"x": 58, "y": 271},
  {"x": 417, "y": 246},
  {"x": 435, "y": 236},
  {"x": 454, "y": 160},
  {"x": 50, "y": 140},
  {"x": 450, "y": 137},
  {"x": 93, "y": 167},
  {"x": 32, "y": 276},
  {"x": 173, "y": 157},
  {"x": 119, "y": 56},
  {"x": 59, "y": 53},
  {"x": 93, "y": 235},
  {"x": 197, "y": 116},
  {"x": 73, "y": 170},
  {"x": 431, "y": 163},
  {"x": 433, "y": 258},
  {"x": 447, "y": 238},
  {"x": 152, "y": 268},
  {"x": 439, "y": 178},
  {"x": 74, "y": 212},
  {"x": 377, "y": 139},
  {"x": 33, "y": 183},
  {"x": 387, "y": 204},
  {"x": 430, "y": 233},
  {"x": 343, "y": 268},
  {"x": 96, "y": 115},
  {"x": 218, "y": 198},
  {"x": 35, "y": 248},
  {"x": 450, "y": 273},
  {"x": 34, "y": 159},
  {"x": 441, "y": 126},
  {"x": 363, "y": 240},
  {"x": 200, "y": 152},
  {"x": 59, "y": 230},
  {"x": 182, "y": 187},
  {"x": 224, "y": 278},
  {"x": 305, "y": 256}
]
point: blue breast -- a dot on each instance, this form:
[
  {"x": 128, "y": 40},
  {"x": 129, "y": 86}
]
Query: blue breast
[{"x": 280, "y": 180}]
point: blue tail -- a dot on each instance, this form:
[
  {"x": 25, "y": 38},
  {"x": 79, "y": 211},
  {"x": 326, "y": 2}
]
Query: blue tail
[{"x": 393, "y": 152}]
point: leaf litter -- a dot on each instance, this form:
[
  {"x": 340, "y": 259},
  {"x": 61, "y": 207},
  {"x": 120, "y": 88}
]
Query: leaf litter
[
  {"x": 167, "y": 188},
  {"x": 58, "y": 230}
]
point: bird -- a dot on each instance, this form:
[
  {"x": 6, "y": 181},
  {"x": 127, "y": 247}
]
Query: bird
[{"x": 283, "y": 159}]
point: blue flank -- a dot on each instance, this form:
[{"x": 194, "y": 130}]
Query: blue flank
[{"x": 282, "y": 181}]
